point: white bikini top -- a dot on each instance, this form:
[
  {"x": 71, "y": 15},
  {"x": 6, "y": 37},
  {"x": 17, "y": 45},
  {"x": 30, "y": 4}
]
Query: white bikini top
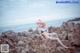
[{"x": 42, "y": 29}]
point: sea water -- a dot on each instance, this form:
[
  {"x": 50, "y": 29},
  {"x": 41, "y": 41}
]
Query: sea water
[{"x": 25, "y": 27}]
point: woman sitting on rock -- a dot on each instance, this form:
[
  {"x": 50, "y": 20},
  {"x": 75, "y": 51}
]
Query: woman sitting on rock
[{"x": 43, "y": 31}]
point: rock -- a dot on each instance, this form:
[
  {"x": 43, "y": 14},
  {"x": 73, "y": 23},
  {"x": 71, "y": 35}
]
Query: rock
[
  {"x": 13, "y": 37},
  {"x": 30, "y": 30},
  {"x": 74, "y": 38},
  {"x": 31, "y": 42},
  {"x": 50, "y": 29},
  {"x": 64, "y": 35},
  {"x": 10, "y": 35},
  {"x": 31, "y": 51},
  {"x": 7, "y": 34},
  {"x": 63, "y": 50},
  {"x": 21, "y": 43}
]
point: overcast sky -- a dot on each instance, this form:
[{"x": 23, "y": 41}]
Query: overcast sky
[{"x": 14, "y": 12}]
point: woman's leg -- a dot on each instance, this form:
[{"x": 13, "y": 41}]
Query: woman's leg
[
  {"x": 42, "y": 38},
  {"x": 53, "y": 38},
  {"x": 46, "y": 35},
  {"x": 61, "y": 43}
]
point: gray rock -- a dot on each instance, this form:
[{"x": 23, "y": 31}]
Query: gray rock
[{"x": 21, "y": 43}]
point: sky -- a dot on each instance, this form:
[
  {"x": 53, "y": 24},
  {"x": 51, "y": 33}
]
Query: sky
[{"x": 15, "y": 12}]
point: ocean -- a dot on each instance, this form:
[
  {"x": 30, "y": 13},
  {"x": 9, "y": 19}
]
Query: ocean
[{"x": 25, "y": 27}]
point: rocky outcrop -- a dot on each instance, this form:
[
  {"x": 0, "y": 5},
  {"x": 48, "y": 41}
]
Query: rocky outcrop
[
  {"x": 76, "y": 19},
  {"x": 30, "y": 41}
]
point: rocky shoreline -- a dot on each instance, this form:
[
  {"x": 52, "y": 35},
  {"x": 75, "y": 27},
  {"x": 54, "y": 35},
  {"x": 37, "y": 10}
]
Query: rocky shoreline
[{"x": 30, "y": 41}]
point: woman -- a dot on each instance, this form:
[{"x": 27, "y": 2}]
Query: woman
[{"x": 43, "y": 31}]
